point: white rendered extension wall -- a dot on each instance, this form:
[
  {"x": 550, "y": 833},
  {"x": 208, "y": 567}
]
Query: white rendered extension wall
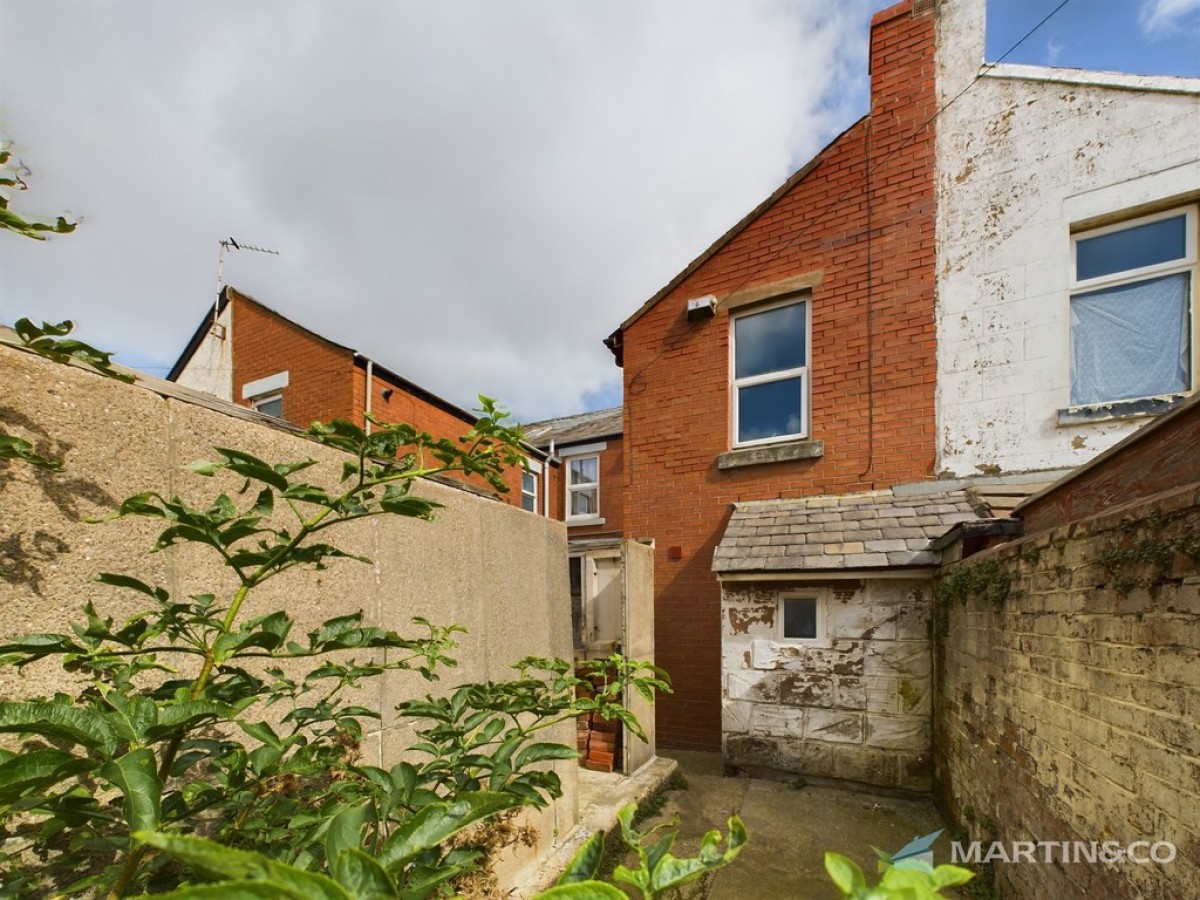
[
  {"x": 210, "y": 369},
  {"x": 1025, "y": 154}
]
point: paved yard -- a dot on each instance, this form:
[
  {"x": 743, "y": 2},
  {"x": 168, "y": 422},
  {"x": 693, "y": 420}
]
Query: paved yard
[{"x": 790, "y": 829}]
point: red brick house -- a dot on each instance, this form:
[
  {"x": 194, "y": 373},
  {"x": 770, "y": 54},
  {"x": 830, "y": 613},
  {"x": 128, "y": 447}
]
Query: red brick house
[
  {"x": 794, "y": 358},
  {"x": 251, "y": 355}
]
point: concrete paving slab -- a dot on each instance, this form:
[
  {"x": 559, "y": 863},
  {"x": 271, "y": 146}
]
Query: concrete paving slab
[{"x": 790, "y": 829}]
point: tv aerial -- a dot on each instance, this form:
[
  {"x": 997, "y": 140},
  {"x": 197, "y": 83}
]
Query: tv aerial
[{"x": 225, "y": 245}]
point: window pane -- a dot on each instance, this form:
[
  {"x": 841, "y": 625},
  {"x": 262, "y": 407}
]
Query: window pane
[
  {"x": 770, "y": 341},
  {"x": 272, "y": 407},
  {"x": 583, "y": 471},
  {"x": 1143, "y": 245},
  {"x": 583, "y": 503},
  {"x": 1130, "y": 341},
  {"x": 769, "y": 410},
  {"x": 800, "y": 618},
  {"x": 528, "y": 492}
]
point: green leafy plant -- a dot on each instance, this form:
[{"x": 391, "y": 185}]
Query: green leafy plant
[
  {"x": 909, "y": 879},
  {"x": 657, "y": 871},
  {"x": 12, "y": 178},
  {"x": 172, "y": 733},
  {"x": 51, "y": 341}
]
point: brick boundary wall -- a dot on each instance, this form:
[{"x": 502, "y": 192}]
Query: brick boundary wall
[{"x": 1067, "y": 710}]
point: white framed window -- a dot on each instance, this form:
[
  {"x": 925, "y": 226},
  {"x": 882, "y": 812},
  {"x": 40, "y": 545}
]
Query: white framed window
[
  {"x": 1133, "y": 317},
  {"x": 583, "y": 487},
  {"x": 529, "y": 491},
  {"x": 769, "y": 373},
  {"x": 801, "y": 618},
  {"x": 271, "y": 405}
]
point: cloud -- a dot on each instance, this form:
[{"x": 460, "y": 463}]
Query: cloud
[
  {"x": 1159, "y": 18},
  {"x": 474, "y": 194}
]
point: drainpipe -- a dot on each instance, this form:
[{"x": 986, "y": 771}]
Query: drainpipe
[
  {"x": 367, "y": 410},
  {"x": 546, "y": 482}
]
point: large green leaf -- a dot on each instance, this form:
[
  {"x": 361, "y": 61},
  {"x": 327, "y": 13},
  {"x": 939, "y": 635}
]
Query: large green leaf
[
  {"x": 586, "y": 862},
  {"x": 60, "y": 720},
  {"x": 37, "y": 769},
  {"x": 345, "y": 831},
  {"x": 216, "y": 863},
  {"x": 436, "y": 822},
  {"x": 535, "y": 753},
  {"x": 136, "y": 775},
  {"x": 362, "y": 877},
  {"x": 583, "y": 890}
]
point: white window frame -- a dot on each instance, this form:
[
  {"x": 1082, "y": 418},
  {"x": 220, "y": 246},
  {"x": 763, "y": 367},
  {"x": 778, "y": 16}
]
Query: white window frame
[
  {"x": 533, "y": 478},
  {"x": 801, "y": 372},
  {"x": 818, "y": 598},
  {"x": 259, "y": 402},
  {"x": 583, "y": 486},
  {"x": 1187, "y": 264}
]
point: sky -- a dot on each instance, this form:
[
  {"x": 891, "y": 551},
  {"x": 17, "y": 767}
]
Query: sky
[{"x": 472, "y": 193}]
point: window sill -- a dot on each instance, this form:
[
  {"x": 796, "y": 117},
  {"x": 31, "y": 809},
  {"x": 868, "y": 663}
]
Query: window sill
[
  {"x": 585, "y": 520},
  {"x": 1120, "y": 409},
  {"x": 771, "y": 453}
]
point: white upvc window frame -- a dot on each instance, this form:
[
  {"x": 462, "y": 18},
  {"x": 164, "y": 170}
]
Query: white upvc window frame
[
  {"x": 257, "y": 403},
  {"x": 1185, "y": 265},
  {"x": 573, "y": 488},
  {"x": 818, "y": 597},
  {"x": 529, "y": 476},
  {"x": 801, "y": 372}
]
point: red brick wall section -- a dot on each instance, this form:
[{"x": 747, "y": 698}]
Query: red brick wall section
[
  {"x": 1164, "y": 454},
  {"x": 324, "y": 383},
  {"x": 677, "y": 378},
  {"x": 319, "y": 374},
  {"x": 402, "y": 406}
]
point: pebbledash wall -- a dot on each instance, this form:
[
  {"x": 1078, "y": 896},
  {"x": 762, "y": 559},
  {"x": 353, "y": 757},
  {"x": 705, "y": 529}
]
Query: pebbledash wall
[
  {"x": 1066, "y": 698},
  {"x": 493, "y": 568},
  {"x": 869, "y": 283},
  {"x": 1027, "y": 157}
]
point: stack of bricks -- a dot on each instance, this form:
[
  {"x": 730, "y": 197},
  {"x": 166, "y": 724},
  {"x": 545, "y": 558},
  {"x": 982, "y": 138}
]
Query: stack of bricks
[{"x": 598, "y": 741}]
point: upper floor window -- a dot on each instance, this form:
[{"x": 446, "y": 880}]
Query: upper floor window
[
  {"x": 529, "y": 491},
  {"x": 583, "y": 487},
  {"x": 770, "y": 373},
  {"x": 1132, "y": 309}
]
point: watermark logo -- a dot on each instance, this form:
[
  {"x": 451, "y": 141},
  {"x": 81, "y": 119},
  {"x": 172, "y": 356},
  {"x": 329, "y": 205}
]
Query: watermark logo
[
  {"x": 1141, "y": 853},
  {"x": 918, "y": 853}
]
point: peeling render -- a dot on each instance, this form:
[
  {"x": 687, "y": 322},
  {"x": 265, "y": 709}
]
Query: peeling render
[
  {"x": 1021, "y": 158},
  {"x": 852, "y": 704}
]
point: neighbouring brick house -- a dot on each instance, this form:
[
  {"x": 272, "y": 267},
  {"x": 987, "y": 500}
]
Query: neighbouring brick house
[
  {"x": 879, "y": 350},
  {"x": 813, "y": 374},
  {"x": 251, "y": 355}
]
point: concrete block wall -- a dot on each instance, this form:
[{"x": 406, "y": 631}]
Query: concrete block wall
[
  {"x": 677, "y": 381},
  {"x": 497, "y": 570},
  {"x": 1024, "y": 157},
  {"x": 1070, "y": 710},
  {"x": 854, "y": 705}
]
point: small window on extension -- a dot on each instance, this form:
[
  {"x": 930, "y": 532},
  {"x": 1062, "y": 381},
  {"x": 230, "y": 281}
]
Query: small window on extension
[
  {"x": 271, "y": 406},
  {"x": 800, "y": 618}
]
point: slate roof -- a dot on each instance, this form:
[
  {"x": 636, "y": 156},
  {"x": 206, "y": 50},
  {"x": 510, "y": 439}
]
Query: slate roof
[
  {"x": 576, "y": 429},
  {"x": 873, "y": 530}
]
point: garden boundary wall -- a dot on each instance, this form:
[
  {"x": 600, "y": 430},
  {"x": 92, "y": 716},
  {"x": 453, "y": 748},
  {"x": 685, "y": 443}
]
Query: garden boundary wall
[
  {"x": 491, "y": 567},
  {"x": 1066, "y": 699}
]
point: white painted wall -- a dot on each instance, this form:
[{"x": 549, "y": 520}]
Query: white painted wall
[
  {"x": 1023, "y": 155},
  {"x": 211, "y": 367}
]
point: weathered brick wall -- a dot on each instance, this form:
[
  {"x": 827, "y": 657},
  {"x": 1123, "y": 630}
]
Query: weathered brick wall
[
  {"x": 677, "y": 403},
  {"x": 1068, "y": 709},
  {"x": 853, "y": 705}
]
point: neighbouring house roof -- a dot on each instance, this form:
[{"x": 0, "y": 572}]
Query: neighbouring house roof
[
  {"x": 380, "y": 371},
  {"x": 872, "y": 530},
  {"x": 589, "y": 426}
]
